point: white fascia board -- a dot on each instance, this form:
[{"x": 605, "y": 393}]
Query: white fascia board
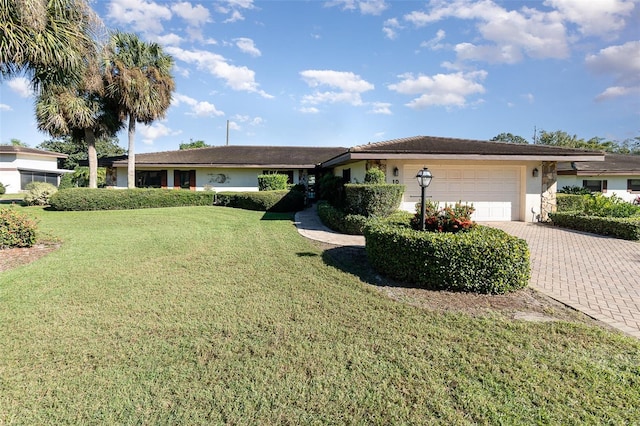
[
  {"x": 219, "y": 166},
  {"x": 475, "y": 157}
]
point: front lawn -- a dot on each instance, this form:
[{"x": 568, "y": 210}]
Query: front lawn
[{"x": 211, "y": 315}]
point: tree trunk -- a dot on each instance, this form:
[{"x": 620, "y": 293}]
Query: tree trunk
[
  {"x": 90, "y": 137},
  {"x": 131, "y": 164}
]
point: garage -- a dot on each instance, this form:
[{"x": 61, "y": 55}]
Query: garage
[{"x": 494, "y": 192}]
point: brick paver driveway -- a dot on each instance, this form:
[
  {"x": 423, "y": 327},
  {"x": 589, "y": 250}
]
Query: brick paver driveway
[{"x": 597, "y": 275}]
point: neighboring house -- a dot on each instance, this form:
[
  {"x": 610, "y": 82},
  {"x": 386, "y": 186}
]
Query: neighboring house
[
  {"x": 20, "y": 166},
  {"x": 503, "y": 181},
  {"x": 618, "y": 174},
  {"x": 223, "y": 168}
]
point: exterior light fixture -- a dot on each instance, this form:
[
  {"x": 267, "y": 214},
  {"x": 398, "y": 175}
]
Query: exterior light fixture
[
  {"x": 423, "y": 177},
  {"x": 535, "y": 172},
  {"x": 395, "y": 171}
]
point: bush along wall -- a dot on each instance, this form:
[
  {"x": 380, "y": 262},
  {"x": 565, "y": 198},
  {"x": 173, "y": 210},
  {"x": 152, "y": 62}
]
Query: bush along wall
[
  {"x": 369, "y": 200},
  {"x": 271, "y": 201},
  {"x": 272, "y": 182},
  {"x": 623, "y": 228},
  {"x": 570, "y": 202},
  {"x": 483, "y": 260},
  {"x": 81, "y": 199}
]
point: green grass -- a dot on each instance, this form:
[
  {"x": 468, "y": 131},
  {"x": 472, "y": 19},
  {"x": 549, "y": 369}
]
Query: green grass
[{"x": 209, "y": 315}]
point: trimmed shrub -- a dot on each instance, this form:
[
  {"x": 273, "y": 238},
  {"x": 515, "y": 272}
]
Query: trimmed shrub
[
  {"x": 483, "y": 260},
  {"x": 372, "y": 199},
  {"x": 375, "y": 176},
  {"x": 612, "y": 206},
  {"x": 271, "y": 201},
  {"x": 16, "y": 229},
  {"x": 2, "y": 189},
  {"x": 272, "y": 182},
  {"x": 340, "y": 221},
  {"x": 67, "y": 181},
  {"x": 82, "y": 199},
  {"x": 39, "y": 193},
  {"x": 624, "y": 228},
  {"x": 570, "y": 202}
]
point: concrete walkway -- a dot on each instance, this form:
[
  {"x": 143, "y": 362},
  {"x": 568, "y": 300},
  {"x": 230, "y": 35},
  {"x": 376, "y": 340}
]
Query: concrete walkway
[{"x": 597, "y": 275}]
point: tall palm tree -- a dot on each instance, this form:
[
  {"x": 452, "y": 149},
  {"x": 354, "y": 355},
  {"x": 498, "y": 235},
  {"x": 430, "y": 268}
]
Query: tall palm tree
[
  {"x": 49, "y": 39},
  {"x": 81, "y": 111},
  {"x": 139, "y": 79}
]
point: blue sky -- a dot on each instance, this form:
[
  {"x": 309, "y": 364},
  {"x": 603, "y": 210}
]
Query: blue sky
[{"x": 348, "y": 72}]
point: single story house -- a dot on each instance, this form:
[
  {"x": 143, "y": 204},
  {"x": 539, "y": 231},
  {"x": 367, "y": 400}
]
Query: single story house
[
  {"x": 504, "y": 181},
  {"x": 20, "y": 166},
  {"x": 618, "y": 174},
  {"x": 223, "y": 168}
]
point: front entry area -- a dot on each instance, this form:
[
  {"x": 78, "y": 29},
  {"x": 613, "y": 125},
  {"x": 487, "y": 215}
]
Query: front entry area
[{"x": 495, "y": 192}]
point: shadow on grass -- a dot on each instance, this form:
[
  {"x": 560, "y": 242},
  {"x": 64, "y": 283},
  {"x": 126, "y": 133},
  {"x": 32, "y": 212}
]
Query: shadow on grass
[
  {"x": 353, "y": 260},
  {"x": 277, "y": 216}
]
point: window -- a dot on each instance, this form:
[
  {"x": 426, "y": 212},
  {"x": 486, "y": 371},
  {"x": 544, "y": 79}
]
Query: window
[
  {"x": 26, "y": 177},
  {"x": 633, "y": 185},
  {"x": 346, "y": 175},
  {"x": 150, "y": 178},
  {"x": 594, "y": 185},
  {"x": 184, "y": 179}
]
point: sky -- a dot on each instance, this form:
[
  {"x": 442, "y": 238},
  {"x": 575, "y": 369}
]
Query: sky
[{"x": 350, "y": 72}]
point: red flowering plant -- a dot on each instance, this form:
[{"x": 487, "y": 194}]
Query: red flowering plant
[{"x": 456, "y": 218}]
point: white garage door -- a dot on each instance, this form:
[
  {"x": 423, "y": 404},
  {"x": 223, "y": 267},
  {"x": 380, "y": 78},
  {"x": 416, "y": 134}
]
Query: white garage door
[{"x": 494, "y": 192}]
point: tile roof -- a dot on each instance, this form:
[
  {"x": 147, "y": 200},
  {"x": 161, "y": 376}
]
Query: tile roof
[
  {"x": 240, "y": 156},
  {"x": 11, "y": 149},
  {"x": 615, "y": 164},
  {"x": 440, "y": 145}
]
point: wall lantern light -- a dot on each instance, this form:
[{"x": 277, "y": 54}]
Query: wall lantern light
[
  {"x": 535, "y": 172},
  {"x": 395, "y": 171},
  {"x": 423, "y": 177}
]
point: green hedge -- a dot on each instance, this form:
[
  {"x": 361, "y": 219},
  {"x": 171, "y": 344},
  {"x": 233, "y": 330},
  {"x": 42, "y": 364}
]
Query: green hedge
[
  {"x": 339, "y": 221},
  {"x": 272, "y": 182},
  {"x": 570, "y": 202},
  {"x": 271, "y": 201},
  {"x": 624, "y": 228},
  {"x": 81, "y": 199},
  {"x": 483, "y": 260},
  {"x": 372, "y": 199}
]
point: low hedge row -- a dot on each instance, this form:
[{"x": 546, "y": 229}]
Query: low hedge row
[
  {"x": 483, "y": 260},
  {"x": 340, "y": 221},
  {"x": 82, "y": 199},
  {"x": 271, "y": 201},
  {"x": 624, "y": 228}
]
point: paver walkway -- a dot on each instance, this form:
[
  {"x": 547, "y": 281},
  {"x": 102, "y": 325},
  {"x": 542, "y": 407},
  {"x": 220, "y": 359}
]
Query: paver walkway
[{"x": 597, "y": 275}]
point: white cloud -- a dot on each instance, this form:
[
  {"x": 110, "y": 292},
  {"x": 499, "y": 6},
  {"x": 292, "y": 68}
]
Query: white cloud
[
  {"x": 247, "y": 46},
  {"x": 309, "y": 110},
  {"x": 170, "y": 39},
  {"x": 21, "y": 86},
  {"x": 381, "y": 108},
  {"x": 144, "y": 16},
  {"x": 154, "y": 131},
  {"x": 510, "y": 34},
  {"x": 434, "y": 43},
  {"x": 389, "y": 28},
  {"x": 600, "y": 18},
  {"x": 5, "y": 107},
  {"x": 233, "y": 9},
  {"x": 252, "y": 121},
  {"x": 198, "y": 108},
  {"x": 529, "y": 97},
  {"x": 366, "y": 7},
  {"x": 196, "y": 16},
  {"x": 349, "y": 87},
  {"x": 440, "y": 89},
  {"x": 623, "y": 63},
  {"x": 238, "y": 78}
]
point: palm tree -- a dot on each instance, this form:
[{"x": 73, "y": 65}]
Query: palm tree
[
  {"x": 49, "y": 39},
  {"x": 139, "y": 79},
  {"x": 81, "y": 111}
]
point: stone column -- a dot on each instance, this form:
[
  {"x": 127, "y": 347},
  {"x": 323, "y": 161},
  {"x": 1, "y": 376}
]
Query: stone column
[{"x": 549, "y": 187}]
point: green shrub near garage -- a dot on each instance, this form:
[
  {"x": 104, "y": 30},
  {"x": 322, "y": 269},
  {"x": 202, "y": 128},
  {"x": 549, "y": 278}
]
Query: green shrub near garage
[
  {"x": 570, "y": 202},
  {"x": 271, "y": 201},
  {"x": 623, "y": 228},
  {"x": 272, "y": 182},
  {"x": 483, "y": 260},
  {"x": 369, "y": 200},
  {"x": 83, "y": 199}
]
